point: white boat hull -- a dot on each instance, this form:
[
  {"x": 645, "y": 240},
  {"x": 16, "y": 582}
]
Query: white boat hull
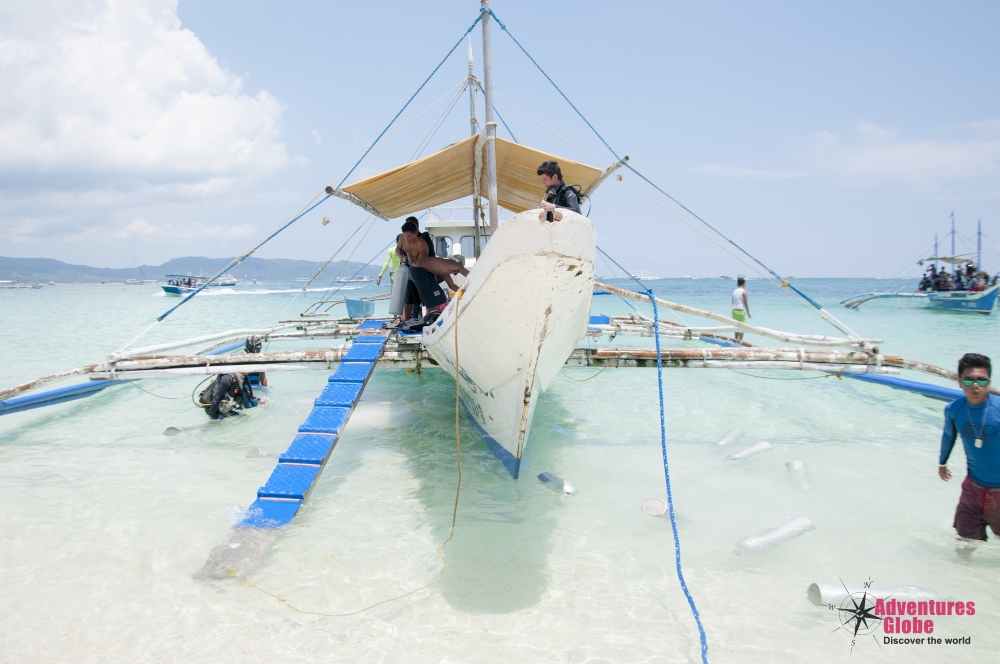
[{"x": 525, "y": 308}]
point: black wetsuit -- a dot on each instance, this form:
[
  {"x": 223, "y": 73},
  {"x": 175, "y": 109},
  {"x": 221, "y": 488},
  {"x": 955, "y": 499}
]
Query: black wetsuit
[
  {"x": 227, "y": 388},
  {"x": 563, "y": 196}
]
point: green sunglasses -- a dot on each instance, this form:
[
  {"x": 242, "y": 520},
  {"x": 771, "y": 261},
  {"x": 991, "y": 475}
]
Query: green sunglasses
[{"x": 981, "y": 382}]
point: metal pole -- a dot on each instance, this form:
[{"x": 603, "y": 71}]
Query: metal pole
[
  {"x": 954, "y": 265},
  {"x": 979, "y": 246},
  {"x": 472, "y": 83},
  {"x": 935, "y": 252},
  {"x": 491, "y": 125}
]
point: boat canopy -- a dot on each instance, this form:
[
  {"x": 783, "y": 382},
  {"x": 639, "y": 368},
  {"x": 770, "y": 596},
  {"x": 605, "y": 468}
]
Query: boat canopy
[
  {"x": 451, "y": 174},
  {"x": 953, "y": 260}
]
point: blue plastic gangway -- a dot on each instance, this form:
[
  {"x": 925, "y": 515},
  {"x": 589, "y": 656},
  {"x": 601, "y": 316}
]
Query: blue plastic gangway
[{"x": 300, "y": 466}]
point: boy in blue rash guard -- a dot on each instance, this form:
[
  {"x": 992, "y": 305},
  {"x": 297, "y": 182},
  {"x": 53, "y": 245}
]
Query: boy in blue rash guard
[{"x": 976, "y": 417}]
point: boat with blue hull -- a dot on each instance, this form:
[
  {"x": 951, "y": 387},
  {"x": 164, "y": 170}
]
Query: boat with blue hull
[{"x": 980, "y": 302}]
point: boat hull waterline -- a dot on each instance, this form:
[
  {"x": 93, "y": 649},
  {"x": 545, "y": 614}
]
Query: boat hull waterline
[{"x": 534, "y": 280}]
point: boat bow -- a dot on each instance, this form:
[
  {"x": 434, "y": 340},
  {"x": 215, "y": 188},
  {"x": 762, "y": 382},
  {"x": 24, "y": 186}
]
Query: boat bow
[{"x": 525, "y": 308}]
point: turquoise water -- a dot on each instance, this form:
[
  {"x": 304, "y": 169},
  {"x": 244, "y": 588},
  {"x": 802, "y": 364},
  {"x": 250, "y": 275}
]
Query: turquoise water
[{"x": 105, "y": 519}]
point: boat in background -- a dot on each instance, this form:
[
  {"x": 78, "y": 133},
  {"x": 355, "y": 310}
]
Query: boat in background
[
  {"x": 11, "y": 285},
  {"x": 352, "y": 280},
  {"x": 972, "y": 301},
  {"x": 642, "y": 276},
  {"x": 185, "y": 284}
]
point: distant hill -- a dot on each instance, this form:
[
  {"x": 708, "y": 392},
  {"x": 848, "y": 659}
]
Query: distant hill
[{"x": 262, "y": 269}]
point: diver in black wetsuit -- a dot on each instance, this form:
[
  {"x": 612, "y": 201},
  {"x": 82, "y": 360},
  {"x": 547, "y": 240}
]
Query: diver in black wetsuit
[
  {"x": 227, "y": 396},
  {"x": 558, "y": 194}
]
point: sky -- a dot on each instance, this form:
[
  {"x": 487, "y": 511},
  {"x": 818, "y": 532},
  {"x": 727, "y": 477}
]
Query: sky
[{"x": 828, "y": 139}]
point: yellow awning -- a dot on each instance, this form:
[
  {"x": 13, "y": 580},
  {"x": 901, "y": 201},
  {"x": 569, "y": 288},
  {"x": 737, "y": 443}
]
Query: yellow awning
[{"x": 448, "y": 175}]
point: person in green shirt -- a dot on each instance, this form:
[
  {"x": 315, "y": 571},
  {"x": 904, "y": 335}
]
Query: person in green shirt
[
  {"x": 390, "y": 264},
  {"x": 399, "y": 279}
]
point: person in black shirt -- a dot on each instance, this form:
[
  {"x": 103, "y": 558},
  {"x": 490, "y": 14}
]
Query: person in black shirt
[{"x": 557, "y": 193}]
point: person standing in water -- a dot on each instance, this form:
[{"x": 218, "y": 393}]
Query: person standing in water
[
  {"x": 741, "y": 304},
  {"x": 976, "y": 418}
]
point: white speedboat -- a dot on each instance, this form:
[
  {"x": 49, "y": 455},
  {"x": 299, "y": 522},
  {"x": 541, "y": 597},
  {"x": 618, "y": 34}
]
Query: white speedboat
[{"x": 538, "y": 278}]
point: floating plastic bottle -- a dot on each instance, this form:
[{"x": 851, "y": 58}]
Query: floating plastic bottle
[
  {"x": 774, "y": 536},
  {"x": 556, "y": 483},
  {"x": 835, "y": 593},
  {"x": 799, "y": 472},
  {"x": 730, "y": 436},
  {"x": 751, "y": 451}
]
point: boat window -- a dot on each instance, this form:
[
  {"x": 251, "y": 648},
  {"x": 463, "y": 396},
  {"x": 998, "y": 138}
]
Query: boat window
[
  {"x": 442, "y": 246},
  {"x": 469, "y": 244}
]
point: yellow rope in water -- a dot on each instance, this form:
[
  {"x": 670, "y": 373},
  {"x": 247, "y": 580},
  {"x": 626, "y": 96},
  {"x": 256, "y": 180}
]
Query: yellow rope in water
[
  {"x": 454, "y": 513},
  {"x": 584, "y": 380},
  {"x": 159, "y": 396},
  {"x": 830, "y": 375}
]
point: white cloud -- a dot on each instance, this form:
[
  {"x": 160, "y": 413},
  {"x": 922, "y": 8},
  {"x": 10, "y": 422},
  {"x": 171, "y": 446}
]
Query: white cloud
[
  {"x": 963, "y": 155},
  {"x": 137, "y": 228},
  {"x": 722, "y": 170},
  {"x": 318, "y": 137},
  {"x": 116, "y": 94},
  {"x": 876, "y": 155}
]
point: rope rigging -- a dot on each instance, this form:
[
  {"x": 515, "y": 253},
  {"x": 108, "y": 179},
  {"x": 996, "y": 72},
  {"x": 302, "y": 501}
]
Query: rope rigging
[{"x": 825, "y": 315}]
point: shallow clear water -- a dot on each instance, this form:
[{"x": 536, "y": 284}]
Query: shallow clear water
[{"x": 104, "y": 519}]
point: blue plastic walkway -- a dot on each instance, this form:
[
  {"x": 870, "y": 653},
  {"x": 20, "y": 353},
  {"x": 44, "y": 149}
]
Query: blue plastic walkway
[{"x": 300, "y": 466}]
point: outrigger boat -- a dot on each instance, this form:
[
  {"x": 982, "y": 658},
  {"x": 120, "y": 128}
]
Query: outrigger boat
[
  {"x": 979, "y": 302},
  {"x": 534, "y": 277}
]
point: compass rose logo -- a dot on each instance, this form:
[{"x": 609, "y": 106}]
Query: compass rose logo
[{"x": 857, "y": 614}]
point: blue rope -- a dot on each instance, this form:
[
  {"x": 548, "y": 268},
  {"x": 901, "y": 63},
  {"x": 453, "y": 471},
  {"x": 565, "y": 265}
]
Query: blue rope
[
  {"x": 478, "y": 85},
  {"x": 396, "y": 117},
  {"x": 505, "y": 125},
  {"x": 644, "y": 287},
  {"x": 714, "y": 229},
  {"x": 381, "y": 251},
  {"x": 236, "y": 261},
  {"x": 523, "y": 50},
  {"x": 666, "y": 475},
  {"x": 628, "y": 166}
]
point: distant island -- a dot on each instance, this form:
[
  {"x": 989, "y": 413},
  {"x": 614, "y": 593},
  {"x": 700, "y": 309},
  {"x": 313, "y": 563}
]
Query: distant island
[{"x": 261, "y": 269}]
